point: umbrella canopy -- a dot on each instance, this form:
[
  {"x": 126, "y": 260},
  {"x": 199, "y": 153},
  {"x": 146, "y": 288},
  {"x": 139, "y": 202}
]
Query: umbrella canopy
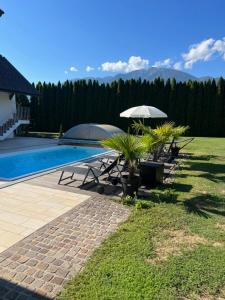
[{"x": 143, "y": 112}]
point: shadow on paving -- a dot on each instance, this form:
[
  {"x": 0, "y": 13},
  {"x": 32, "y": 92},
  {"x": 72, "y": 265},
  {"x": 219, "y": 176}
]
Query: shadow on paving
[
  {"x": 103, "y": 187},
  {"x": 9, "y": 290}
]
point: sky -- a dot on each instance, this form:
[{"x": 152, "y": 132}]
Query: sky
[{"x": 52, "y": 40}]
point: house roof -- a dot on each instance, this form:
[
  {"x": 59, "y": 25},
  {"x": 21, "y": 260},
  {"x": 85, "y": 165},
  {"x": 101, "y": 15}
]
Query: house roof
[{"x": 11, "y": 80}]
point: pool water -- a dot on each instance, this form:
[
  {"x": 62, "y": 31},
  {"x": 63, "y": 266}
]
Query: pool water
[{"x": 21, "y": 164}]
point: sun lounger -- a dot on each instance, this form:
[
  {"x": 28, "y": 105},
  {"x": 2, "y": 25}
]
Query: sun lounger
[{"x": 93, "y": 172}]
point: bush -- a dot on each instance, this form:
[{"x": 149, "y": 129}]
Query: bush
[
  {"x": 144, "y": 204},
  {"x": 128, "y": 200}
]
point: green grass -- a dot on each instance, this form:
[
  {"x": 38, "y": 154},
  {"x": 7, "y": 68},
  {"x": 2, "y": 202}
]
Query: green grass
[{"x": 128, "y": 265}]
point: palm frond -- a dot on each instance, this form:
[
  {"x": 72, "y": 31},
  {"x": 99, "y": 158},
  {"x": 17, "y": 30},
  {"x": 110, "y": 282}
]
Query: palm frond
[
  {"x": 140, "y": 127},
  {"x": 127, "y": 144},
  {"x": 179, "y": 131}
]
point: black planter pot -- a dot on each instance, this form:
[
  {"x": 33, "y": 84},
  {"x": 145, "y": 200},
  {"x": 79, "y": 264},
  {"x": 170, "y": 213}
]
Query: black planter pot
[
  {"x": 151, "y": 173},
  {"x": 130, "y": 185}
]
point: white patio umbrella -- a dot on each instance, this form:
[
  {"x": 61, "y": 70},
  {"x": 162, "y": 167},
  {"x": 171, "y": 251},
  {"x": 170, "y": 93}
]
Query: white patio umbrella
[{"x": 143, "y": 112}]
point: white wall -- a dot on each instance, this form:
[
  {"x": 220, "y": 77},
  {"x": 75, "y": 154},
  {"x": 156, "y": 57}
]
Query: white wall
[{"x": 7, "y": 107}]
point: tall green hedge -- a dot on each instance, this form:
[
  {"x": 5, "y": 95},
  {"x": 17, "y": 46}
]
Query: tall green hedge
[{"x": 201, "y": 105}]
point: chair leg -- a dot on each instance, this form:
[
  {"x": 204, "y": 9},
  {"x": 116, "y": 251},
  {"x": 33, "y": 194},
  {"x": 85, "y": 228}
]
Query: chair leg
[
  {"x": 119, "y": 172},
  {"x": 94, "y": 176},
  {"x": 102, "y": 165},
  {"x": 86, "y": 176},
  {"x": 61, "y": 176}
]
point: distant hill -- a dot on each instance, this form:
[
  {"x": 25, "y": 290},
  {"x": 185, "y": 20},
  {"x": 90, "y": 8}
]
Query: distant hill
[{"x": 150, "y": 74}]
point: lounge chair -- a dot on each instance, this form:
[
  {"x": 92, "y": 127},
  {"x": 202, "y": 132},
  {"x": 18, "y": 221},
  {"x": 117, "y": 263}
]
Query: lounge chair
[{"x": 93, "y": 172}]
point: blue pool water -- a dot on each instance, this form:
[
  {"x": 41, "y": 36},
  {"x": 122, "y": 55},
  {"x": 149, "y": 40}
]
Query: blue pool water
[{"x": 20, "y": 164}]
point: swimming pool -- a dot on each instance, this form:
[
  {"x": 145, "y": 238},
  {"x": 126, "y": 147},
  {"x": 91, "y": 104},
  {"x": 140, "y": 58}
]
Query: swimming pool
[{"x": 16, "y": 165}]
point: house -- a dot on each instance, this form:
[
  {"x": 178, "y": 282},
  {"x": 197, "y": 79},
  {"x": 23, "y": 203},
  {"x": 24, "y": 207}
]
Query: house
[{"x": 12, "y": 115}]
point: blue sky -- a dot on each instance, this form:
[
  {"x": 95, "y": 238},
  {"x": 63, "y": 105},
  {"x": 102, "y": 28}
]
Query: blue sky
[{"x": 54, "y": 40}]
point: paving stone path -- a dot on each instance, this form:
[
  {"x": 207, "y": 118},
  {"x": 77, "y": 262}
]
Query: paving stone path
[{"x": 40, "y": 265}]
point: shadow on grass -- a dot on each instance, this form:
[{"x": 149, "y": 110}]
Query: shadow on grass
[
  {"x": 201, "y": 205},
  {"x": 204, "y": 205},
  {"x": 203, "y": 157},
  {"x": 208, "y": 167},
  {"x": 212, "y": 177},
  {"x": 169, "y": 193},
  {"x": 212, "y": 171}
]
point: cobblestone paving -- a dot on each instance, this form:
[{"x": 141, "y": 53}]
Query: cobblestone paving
[{"x": 40, "y": 265}]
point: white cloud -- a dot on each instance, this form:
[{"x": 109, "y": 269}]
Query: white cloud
[
  {"x": 202, "y": 51},
  {"x": 133, "y": 63},
  {"x": 166, "y": 63},
  {"x": 178, "y": 65},
  {"x": 89, "y": 69},
  {"x": 219, "y": 46},
  {"x": 118, "y": 66},
  {"x": 73, "y": 69}
]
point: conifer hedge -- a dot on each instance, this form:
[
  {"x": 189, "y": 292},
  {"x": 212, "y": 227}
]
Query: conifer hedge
[{"x": 201, "y": 105}]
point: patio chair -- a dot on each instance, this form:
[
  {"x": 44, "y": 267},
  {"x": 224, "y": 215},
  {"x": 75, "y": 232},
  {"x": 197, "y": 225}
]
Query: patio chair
[{"x": 93, "y": 172}]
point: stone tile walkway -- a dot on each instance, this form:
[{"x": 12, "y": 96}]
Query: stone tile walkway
[{"x": 38, "y": 266}]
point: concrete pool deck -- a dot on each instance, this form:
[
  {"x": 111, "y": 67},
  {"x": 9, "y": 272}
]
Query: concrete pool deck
[{"x": 25, "y": 208}]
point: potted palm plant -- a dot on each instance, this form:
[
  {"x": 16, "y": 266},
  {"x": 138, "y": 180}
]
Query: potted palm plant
[
  {"x": 154, "y": 141},
  {"x": 132, "y": 149}
]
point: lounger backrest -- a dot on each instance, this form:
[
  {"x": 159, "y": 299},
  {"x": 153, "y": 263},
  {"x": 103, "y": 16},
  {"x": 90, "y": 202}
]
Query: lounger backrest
[
  {"x": 111, "y": 166},
  {"x": 187, "y": 141}
]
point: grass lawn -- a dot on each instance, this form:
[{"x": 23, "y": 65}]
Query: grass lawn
[{"x": 173, "y": 250}]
